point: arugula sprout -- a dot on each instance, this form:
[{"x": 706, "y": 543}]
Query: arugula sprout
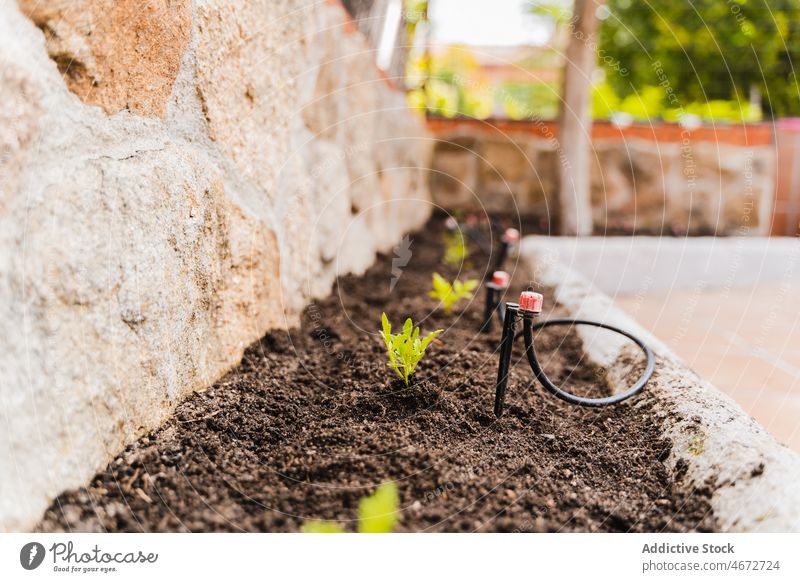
[
  {"x": 456, "y": 251},
  {"x": 322, "y": 527},
  {"x": 449, "y": 294},
  {"x": 405, "y": 349},
  {"x": 377, "y": 513}
]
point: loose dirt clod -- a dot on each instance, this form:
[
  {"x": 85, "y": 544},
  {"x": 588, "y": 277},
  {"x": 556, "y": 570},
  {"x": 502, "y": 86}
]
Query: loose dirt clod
[{"x": 313, "y": 420}]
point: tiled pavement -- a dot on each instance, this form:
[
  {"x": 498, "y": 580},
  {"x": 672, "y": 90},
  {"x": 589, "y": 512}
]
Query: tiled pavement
[{"x": 745, "y": 341}]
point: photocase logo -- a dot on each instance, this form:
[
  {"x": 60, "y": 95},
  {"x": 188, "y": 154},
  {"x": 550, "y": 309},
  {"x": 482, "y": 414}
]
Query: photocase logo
[
  {"x": 402, "y": 255},
  {"x": 31, "y": 555}
]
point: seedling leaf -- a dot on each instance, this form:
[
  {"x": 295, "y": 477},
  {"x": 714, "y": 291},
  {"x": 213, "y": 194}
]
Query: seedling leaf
[
  {"x": 455, "y": 251},
  {"x": 431, "y": 336},
  {"x": 406, "y": 349},
  {"x": 387, "y": 330},
  {"x": 448, "y": 295},
  {"x": 378, "y": 513},
  {"x": 322, "y": 527}
]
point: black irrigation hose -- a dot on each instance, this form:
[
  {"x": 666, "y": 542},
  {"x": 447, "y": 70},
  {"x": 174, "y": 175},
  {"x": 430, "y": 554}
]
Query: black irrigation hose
[
  {"x": 512, "y": 313},
  {"x": 527, "y": 329}
]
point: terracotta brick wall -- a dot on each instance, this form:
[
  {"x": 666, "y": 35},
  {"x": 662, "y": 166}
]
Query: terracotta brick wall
[
  {"x": 786, "y": 217},
  {"x": 645, "y": 178}
]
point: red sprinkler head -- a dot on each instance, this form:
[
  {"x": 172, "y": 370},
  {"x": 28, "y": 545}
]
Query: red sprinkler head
[
  {"x": 511, "y": 236},
  {"x": 531, "y": 302},
  {"x": 500, "y": 279}
]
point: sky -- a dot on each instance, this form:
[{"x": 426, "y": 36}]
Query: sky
[{"x": 486, "y": 23}]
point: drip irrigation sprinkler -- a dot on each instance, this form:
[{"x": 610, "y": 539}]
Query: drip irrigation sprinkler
[
  {"x": 472, "y": 230},
  {"x": 509, "y": 239},
  {"x": 494, "y": 291},
  {"x": 529, "y": 306}
]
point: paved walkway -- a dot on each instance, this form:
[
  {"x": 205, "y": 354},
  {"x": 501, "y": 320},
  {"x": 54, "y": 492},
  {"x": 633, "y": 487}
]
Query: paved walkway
[{"x": 745, "y": 341}]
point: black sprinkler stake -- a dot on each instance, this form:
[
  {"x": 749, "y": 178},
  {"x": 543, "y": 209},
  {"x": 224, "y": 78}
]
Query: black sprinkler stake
[
  {"x": 506, "y": 344},
  {"x": 494, "y": 290},
  {"x": 509, "y": 239},
  {"x": 530, "y": 305}
]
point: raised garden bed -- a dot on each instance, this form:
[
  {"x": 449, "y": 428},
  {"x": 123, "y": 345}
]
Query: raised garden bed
[{"x": 313, "y": 420}]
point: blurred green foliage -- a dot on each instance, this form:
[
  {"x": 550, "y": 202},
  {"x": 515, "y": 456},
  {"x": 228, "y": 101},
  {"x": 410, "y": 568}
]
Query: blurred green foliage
[
  {"x": 453, "y": 87},
  {"x": 456, "y": 88},
  {"x": 649, "y": 103},
  {"x": 710, "y": 53},
  {"x": 377, "y": 513},
  {"x": 528, "y": 100},
  {"x": 679, "y": 61}
]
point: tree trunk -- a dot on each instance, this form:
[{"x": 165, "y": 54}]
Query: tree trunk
[{"x": 575, "y": 121}]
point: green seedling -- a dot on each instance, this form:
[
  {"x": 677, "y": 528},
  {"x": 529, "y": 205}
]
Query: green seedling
[
  {"x": 405, "y": 349},
  {"x": 322, "y": 527},
  {"x": 449, "y": 294},
  {"x": 377, "y": 513},
  {"x": 455, "y": 249}
]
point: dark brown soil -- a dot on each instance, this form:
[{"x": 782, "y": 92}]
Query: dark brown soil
[{"x": 312, "y": 420}]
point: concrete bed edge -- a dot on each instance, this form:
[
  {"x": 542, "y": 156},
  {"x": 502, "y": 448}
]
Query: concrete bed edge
[{"x": 753, "y": 478}]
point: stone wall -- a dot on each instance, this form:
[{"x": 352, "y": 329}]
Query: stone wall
[
  {"x": 645, "y": 179},
  {"x": 176, "y": 178}
]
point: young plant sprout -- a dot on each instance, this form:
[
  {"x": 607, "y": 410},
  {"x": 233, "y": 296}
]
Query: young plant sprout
[
  {"x": 449, "y": 294},
  {"x": 471, "y": 230},
  {"x": 405, "y": 349},
  {"x": 455, "y": 249},
  {"x": 377, "y": 513}
]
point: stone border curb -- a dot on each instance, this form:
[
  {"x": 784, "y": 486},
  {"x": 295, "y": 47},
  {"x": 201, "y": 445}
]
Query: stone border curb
[{"x": 753, "y": 478}]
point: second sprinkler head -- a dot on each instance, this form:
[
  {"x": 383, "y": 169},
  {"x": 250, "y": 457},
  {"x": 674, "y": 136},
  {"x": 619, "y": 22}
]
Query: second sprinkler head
[
  {"x": 500, "y": 279},
  {"x": 510, "y": 236}
]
